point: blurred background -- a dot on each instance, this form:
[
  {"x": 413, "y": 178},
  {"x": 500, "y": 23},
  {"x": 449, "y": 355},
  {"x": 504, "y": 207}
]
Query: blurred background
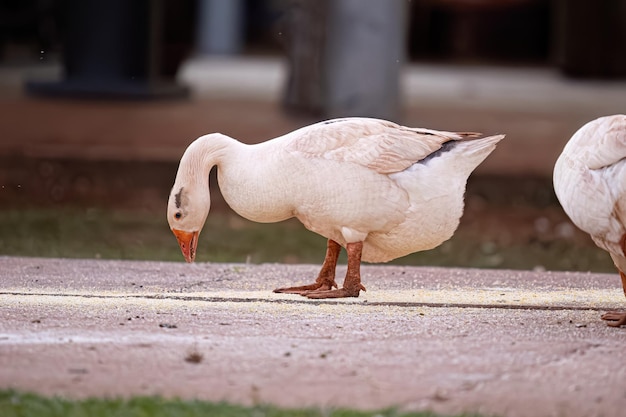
[{"x": 99, "y": 99}]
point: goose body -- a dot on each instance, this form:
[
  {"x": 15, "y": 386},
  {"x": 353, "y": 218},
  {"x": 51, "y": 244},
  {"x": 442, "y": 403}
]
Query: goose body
[
  {"x": 388, "y": 189},
  {"x": 590, "y": 183}
]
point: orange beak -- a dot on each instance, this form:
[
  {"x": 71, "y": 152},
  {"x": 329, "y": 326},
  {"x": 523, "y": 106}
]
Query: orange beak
[{"x": 188, "y": 242}]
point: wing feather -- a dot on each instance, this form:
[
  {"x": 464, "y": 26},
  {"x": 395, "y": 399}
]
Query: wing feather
[
  {"x": 601, "y": 142},
  {"x": 380, "y": 145}
]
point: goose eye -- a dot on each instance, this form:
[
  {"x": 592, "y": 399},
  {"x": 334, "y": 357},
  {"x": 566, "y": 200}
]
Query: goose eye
[{"x": 178, "y": 215}]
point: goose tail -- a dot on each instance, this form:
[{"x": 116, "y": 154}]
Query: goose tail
[
  {"x": 477, "y": 149},
  {"x": 466, "y": 154}
]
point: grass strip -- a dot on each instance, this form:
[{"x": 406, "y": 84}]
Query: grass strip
[
  {"x": 18, "y": 404},
  {"x": 226, "y": 237}
]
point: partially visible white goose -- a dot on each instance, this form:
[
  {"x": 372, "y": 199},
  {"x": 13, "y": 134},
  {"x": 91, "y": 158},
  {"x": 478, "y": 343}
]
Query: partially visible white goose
[
  {"x": 378, "y": 189},
  {"x": 590, "y": 183}
]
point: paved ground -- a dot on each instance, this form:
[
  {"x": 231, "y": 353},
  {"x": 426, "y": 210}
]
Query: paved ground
[
  {"x": 499, "y": 342},
  {"x": 504, "y": 342}
]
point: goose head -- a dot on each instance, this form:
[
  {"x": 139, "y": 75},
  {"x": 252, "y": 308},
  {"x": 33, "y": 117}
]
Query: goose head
[
  {"x": 187, "y": 210},
  {"x": 190, "y": 198}
]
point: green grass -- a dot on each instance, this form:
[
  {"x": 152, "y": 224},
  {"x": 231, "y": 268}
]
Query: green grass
[
  {"x": 117, "y": 234},
  {"x": 144, "y": 235},
  {"x": 15, "y": 404}
]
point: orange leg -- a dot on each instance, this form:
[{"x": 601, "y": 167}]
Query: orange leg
[
  {"x": 326, "y": 278},
  {"x": 614, "y": 318},
  {"x": 352, "y": 283}
]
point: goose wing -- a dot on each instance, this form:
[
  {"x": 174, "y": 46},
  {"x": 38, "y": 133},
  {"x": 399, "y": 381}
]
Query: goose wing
[
  {"x": 602, "y": 142},
  {"x": 590, "y": 183},
  {"x": 379, "y": 145}
]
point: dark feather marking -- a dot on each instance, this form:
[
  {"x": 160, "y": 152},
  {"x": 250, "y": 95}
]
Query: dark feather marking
[
  {"x": 328, "y": 122},
  {"x": 177, "y": 197},
  {"x": 445, "y": 147}
]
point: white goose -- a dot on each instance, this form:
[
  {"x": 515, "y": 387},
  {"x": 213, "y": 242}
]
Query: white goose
[
  {"x": 590, "y": 183},
  {"x": 378, "y": 189}
]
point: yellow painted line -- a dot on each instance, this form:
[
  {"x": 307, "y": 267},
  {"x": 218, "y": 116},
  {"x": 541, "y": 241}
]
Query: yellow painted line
[{"x": 458, "y": 297}]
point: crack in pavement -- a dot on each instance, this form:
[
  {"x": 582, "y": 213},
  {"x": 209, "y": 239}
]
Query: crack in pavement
[{"x": 404, "y": 304}]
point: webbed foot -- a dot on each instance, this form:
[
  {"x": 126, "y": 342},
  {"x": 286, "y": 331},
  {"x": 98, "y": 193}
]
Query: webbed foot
[{"x": 614, "y": 318}]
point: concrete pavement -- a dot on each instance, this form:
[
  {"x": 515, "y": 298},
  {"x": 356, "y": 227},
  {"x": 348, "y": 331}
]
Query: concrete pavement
[
  {"x": 513, "y": 343},
  {"x": 499, "y": 342}
]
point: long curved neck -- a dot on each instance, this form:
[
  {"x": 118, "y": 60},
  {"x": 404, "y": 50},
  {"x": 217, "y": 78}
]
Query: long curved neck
[{"x": 203, "y": 154}]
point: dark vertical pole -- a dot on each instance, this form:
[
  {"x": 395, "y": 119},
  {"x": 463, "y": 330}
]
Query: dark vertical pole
[
  {"x": 366, "y": 51},
  {"x": 155, "y": 40},
  {"x": 305, "y": 38},
  {"x": 220, "y": 27},
  {"x": 591, "y": 37},
  {"x": 112, "y": 49}
]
